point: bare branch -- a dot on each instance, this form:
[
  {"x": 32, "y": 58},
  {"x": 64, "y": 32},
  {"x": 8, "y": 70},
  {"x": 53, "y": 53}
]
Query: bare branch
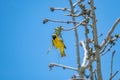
[
  {"x": 59, "y": 21},
  {"x": 85, "y": 62},
  {"x": 77, "y": 77},
  {"x": 109, "y": 48},
  {"x": 111, "y": 66},
  {"x": 63, "y": 66},
  {"x": 95, "y": 38},
  {"x": 76, "y": 36},
  {"x": 62, "y": 9},
  {"x": 75, "y": 26},
  {"x": 109, "y": 33},
  {"x": 78, "y": 2},
  {"x": 112, "y": 42},
  {"x": 103, "y": 50},
  {"x": 113, "y": 39},
  {"x": 87, "y": 40},
  {"x": 113, "y": 75},
  {"x": 66, "y": 29}
]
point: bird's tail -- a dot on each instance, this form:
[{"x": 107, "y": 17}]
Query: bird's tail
[{"x": 62, "y": 52}]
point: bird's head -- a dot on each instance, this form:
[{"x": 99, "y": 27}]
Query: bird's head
[{"x": 54, "y": 36}]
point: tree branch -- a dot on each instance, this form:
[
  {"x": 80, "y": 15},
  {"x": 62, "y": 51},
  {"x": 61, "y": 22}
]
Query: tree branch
[
  {"x": 107, "y": 50},
  {"x": 76, "y": 36},
  {"x": 59, "y": 21},
  {"x": 62, "y": 9},
  {"x": 84, "y": 63},
  {"x": 109, "y": 33},
  {"x": 111, "y": 42},
  {"x": 113, "y": 75},
  {"x": 95, "y": 38},
  {"x": 75, "y": 27},
  {"x": 63, "y": 66},
  {"x": 111, "y": 66},
  {"x": 66, "y": 29},
  {"x": 78, "y": 2}
]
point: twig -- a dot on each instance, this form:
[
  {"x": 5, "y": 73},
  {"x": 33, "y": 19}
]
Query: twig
[
  {"x": 111, "y": 41},
  {"x": 115, "y": 38},
  {"x": 63, "y": 66},
  {"x": 76, "y": 36},
  {"x": 62, "y": 9},
  {"x": 109, "y": 48},
  {"x": 75, "y": 27},
  {"x": 66, "y": 29},
  {"x": 103, "y": 50},
  {"x": 113, "y": 75},
  {"x": 109, "y": 33},
  {"x": 111, "y": 66},
  {"x": 78, "y": 2},
  {"x": 59, "y": 21},
  {"x": 77, "y": 77}
]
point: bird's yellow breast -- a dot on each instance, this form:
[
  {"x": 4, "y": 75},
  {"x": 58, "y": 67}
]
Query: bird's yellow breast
[{"x": 58, "y": 43}]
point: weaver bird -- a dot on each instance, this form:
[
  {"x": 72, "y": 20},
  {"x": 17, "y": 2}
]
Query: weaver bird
[{"x": 58, "y": 44}]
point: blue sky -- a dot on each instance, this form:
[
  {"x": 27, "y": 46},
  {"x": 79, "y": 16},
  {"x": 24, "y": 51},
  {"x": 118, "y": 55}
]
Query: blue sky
[{"x": 25, "y": 40}]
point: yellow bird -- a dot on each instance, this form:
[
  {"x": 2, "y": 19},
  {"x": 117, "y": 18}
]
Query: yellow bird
[{"x": 58, "y": 43}]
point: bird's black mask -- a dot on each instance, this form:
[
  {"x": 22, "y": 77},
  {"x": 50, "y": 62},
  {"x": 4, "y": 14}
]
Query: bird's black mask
[{"x": 53, "y": 36}]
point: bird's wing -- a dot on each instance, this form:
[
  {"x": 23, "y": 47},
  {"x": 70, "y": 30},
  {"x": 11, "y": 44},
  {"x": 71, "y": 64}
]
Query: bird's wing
[{"x": 63, "y": 44}]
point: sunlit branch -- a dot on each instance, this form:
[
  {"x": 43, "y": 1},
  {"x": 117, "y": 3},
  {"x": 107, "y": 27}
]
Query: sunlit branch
[
  {"x": 85, "y": 54},
  {"x": 60, "y": 21},
  {"x": 62, "y": 66},
  {"x": 78, "y": 2},
  {"x": 62, "y": 9},
  {"x": 110, "y": 32}
]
